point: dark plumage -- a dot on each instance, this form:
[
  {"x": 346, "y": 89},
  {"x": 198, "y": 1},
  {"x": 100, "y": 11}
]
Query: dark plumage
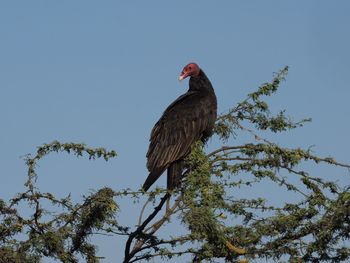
[{"x": 189, "y": 118}]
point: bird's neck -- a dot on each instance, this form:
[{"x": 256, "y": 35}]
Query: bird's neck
[{"x": 200, "y": 83}]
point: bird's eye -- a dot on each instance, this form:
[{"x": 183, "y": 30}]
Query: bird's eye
[{"x": 189, "y": 68}]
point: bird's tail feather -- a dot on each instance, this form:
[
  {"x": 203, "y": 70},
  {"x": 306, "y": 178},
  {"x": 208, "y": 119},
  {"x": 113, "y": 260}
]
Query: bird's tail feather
[
  {"x": 175, "y": 174},
  {"x": 152, "y": 177}
]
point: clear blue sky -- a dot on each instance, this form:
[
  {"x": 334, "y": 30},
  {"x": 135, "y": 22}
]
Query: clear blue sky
[{"x": 102, "y": 72}]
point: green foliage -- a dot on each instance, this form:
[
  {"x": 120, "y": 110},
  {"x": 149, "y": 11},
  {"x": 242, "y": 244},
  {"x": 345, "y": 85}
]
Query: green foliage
[
  {"x": 76, "y": 148},
  {"x": 221, "y": 220},
  {"x": 62, "y": 236},
  {"x": 200, "y": 195},
  {"x": 256, "y": 111}
]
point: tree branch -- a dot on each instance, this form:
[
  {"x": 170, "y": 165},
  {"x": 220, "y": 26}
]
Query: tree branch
[{"x": 138, "y": 231}]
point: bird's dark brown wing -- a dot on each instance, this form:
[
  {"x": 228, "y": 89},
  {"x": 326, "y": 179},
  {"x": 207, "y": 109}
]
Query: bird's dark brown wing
[{"x": 182, "y": 123}]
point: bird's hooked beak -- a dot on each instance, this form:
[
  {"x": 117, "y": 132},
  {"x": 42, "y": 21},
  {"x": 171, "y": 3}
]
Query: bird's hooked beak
[{"x": 183, "y": 75}]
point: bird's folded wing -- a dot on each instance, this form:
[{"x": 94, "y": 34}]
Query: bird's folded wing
[{"x": 180, "y": 126}]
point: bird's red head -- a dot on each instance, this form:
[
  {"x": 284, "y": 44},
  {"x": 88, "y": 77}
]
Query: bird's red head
[{"x": 190, "y": 69}]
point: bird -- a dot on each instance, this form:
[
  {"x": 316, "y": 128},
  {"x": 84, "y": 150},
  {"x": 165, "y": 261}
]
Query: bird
[{"x": 191, "y": 117}]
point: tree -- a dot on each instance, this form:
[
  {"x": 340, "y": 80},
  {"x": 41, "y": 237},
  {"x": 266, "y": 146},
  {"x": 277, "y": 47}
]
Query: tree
[{"x": 221, "y": 222}]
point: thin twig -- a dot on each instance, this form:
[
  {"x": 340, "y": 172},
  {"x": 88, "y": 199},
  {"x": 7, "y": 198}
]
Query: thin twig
[
  {"x": 148, "y": 256},
  {"x": 143, "y": 209},
  {"x": 160, "y": 222},
  {"x": 224, "y": 148}
]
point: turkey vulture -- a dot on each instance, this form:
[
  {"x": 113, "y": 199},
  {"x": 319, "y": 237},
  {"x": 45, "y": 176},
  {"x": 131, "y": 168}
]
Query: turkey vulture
[{"x": 189, "y": 118}]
